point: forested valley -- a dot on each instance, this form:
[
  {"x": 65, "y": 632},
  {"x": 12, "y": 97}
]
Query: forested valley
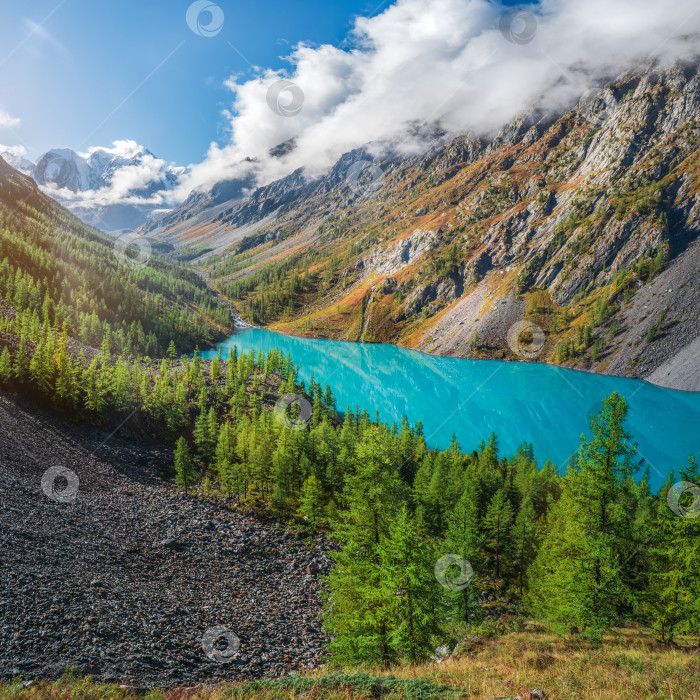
[{"x": 430, "y": 544}]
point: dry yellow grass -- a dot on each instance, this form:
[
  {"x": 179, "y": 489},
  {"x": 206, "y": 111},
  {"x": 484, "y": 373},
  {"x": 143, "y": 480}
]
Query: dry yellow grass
[{"x": 628, "y": 665}]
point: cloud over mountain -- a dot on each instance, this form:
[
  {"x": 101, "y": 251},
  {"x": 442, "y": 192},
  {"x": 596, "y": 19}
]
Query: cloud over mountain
[
  {"x": 112, "y": 188},
  {"x": 460, "y": 64},
  {"x": 123, "y": 173}
]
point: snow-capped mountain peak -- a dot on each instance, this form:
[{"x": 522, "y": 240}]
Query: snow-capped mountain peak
[
  {"x": 114, "y": 188},
  {"x": 62, "y": 168}
]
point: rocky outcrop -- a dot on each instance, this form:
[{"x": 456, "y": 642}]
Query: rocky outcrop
[{"x": 398, "y": 255}]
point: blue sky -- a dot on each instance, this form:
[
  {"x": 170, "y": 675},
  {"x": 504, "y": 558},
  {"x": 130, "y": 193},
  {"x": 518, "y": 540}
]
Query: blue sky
[{"x": 64, "y": 78}]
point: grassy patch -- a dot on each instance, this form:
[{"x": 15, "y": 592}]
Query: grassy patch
[{"x": 628, "y": 665}]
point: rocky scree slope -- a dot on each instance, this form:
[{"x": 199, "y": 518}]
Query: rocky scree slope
[
  {"x": 583, "y": 224},
  {"x": 124, "y": 582}
]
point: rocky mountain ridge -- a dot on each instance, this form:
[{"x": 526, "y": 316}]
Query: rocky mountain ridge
[{"x": 559, "y": 222}]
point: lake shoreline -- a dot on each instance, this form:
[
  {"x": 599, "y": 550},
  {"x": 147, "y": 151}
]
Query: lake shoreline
[
  {"x": 532, "y": 402},
  {"x": 647, "y": 380}
]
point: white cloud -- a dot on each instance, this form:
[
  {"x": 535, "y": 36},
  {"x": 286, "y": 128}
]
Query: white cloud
[
  {"x": 16, "y": 151},
  {"x": 7, "y": 121},
  {"x": 16, "y": 157},
  {"x": 126, "y": 148},
  {"x": 438, "y": 61}
]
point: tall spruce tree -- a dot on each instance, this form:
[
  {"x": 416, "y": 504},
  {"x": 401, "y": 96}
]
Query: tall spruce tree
[
  {"x": 581, "y": 574},
  {"x": 524, "y": 540},
  {"x": 408, "y": 584},
  {"x": 672, "y": 595},
  {"x": 497, "y": 526},
  {"x": 227, "y": 468},
  {"x": 360, "y": 612},
  {"x": 5, "y": 366},
  {"x": 464, "y": 539},
  {"x": 312, "y": 499}
]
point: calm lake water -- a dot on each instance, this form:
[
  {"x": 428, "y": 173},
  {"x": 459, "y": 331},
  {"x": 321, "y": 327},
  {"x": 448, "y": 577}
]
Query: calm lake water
[{"x": 542, "y": 404}]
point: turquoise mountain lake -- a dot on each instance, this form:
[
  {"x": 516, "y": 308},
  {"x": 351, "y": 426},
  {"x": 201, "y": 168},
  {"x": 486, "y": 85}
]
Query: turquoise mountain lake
[{"x": 542, "y": 404}]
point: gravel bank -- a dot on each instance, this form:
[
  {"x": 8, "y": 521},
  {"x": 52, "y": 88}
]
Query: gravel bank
[{"x": 124, "y": 582}]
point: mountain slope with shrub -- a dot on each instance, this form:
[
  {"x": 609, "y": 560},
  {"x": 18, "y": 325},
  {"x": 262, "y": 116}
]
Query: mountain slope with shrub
[
  {"x": 127, "y": 300},
  {"x": 584, "y": 224}
]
